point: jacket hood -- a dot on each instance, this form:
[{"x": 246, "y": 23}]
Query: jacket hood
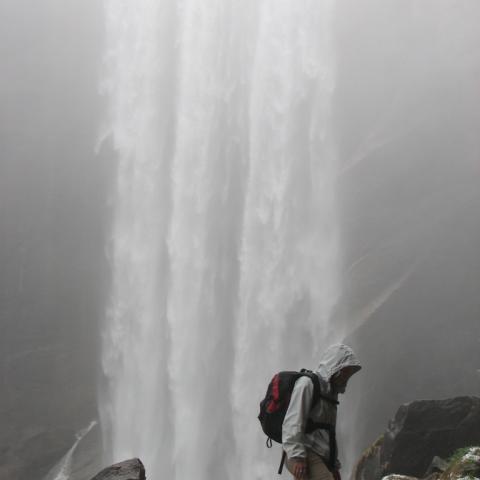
[{"x": 335, "y": 358}]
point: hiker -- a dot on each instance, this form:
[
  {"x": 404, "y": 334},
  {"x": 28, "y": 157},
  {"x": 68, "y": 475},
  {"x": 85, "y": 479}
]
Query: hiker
[{"x": 308, "y": 431}]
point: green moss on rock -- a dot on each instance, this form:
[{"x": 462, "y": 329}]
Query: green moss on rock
[{"x": 464, "y": 464}]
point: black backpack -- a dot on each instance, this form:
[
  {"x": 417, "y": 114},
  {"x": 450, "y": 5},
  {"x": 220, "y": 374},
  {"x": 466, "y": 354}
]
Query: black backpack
[{"x": 275, "y": 405}]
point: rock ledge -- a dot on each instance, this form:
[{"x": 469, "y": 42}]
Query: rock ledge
[
  {"x": 132, "y": 469},
  {"x": 420, "y": 431}
]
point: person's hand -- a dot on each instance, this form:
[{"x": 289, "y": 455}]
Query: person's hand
[
  {"x": 336, "y": 475},
  {"x": 299, "y": 468}
]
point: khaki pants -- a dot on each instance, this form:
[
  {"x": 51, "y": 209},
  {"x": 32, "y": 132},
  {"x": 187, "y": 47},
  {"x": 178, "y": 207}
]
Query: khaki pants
[{"x": 316, "y": 468}]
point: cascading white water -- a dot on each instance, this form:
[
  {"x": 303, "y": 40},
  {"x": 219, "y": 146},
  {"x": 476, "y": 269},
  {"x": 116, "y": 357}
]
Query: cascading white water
[{"x": 224, "y": 239}]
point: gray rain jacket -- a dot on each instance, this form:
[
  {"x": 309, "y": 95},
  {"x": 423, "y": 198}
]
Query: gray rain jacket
[{"x": 295, "y": 441}]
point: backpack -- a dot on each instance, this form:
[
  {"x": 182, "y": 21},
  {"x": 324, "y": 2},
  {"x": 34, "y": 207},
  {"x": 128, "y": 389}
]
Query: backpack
[{"x": 274, "y": 406}]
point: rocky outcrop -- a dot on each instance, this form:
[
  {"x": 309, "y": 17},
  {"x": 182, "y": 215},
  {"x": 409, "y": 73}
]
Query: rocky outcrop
[
  {"x": 419, "y": 432},
  {"x": 128, "y": 470}
]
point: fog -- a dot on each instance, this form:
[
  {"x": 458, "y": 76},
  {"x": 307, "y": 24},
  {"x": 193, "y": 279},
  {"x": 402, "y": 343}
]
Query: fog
[
  {"x": 196, "y": 195},
  {"x": 53, "y": 205},
  {"x": 407, "y": 119}
]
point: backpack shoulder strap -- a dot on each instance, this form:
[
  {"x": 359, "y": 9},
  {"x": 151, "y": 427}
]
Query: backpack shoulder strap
[
  {"x": 317, "y": 391},
  {"x": 311, "y": 426}
]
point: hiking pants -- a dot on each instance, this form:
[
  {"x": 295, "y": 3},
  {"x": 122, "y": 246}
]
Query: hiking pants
[{"x": 316, "y": 468}]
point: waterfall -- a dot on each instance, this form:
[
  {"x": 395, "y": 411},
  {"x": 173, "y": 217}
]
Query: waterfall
[{"x": 224, "y": 243}]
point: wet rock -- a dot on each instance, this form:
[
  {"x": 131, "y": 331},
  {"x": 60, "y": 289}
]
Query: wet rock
[
  {"x": 420, "y": 431},
  {"x": 132, "y": 469}
]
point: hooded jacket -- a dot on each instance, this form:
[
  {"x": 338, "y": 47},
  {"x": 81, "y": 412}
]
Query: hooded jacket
[{"x": 295, "y": 440}]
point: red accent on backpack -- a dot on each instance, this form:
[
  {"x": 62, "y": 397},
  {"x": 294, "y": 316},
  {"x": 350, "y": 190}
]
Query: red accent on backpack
[{"x": 274, "y": 404}]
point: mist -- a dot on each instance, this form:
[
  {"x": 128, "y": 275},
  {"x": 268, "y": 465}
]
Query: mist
[
  {"x": 194, "y": 196},
  {"x": 53, "y": 213}
]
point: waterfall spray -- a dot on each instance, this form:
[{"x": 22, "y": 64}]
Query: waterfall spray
[{"x": 224, "y": 239}]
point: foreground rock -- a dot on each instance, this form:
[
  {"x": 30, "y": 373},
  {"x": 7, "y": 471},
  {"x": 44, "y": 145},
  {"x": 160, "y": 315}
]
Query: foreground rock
[
  {"x": 128, "y": 470},
  {"x": 420, "y": 431}
]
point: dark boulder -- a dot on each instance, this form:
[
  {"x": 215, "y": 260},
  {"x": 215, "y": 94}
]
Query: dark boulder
[
  {"x": 128, "y": 470},
  {"x": 420, "y": 431}
]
